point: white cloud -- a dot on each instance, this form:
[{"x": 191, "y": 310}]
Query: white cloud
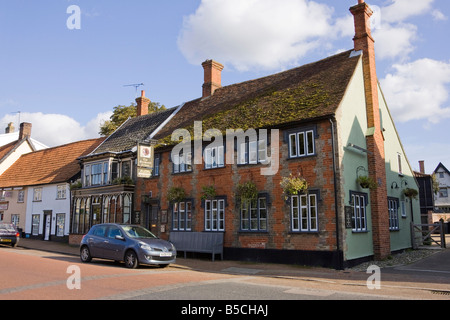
[
  {"x": 395, "y": 42},
  {"x": 267, "y": 34},
  {"x": 438, "y": 15},
  {"x": 419, "y": 90},
  {"x": 400, "y": 10},
  {"x": 58, "y": 129}
]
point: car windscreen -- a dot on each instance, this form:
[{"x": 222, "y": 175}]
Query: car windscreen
[
  {"x": 7, "y": 228},
  {"x": 137, "y": 232}
]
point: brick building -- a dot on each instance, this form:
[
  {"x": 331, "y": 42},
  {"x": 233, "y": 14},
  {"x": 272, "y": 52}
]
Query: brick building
[
  {"x": 328, "y": 124},
  {"x": 222, "y": 161}
]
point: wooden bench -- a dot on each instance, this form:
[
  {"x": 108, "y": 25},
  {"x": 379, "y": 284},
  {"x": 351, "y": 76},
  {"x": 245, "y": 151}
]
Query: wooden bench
[{"x": 202, "y": 242}]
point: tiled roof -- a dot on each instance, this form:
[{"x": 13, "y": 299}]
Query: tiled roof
[
  {"x": 133, "y": 130},
  {"x": 52, "y": 165},
  {"x": 310, "y": 91}
]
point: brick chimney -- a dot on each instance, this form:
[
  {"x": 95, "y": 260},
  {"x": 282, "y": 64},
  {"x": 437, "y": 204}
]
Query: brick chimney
[
  {"x": 364, "y": 42},
  {"x": 213, "y": 77},
  {"x": 142, "y": 104},
  {"x": 25, "y": 130},
  {"x": 422, "y": 166},
  {"x": 10, "y": 128}
]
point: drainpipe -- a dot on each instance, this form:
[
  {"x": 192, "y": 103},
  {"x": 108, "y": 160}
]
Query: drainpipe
[{"x": 338, "y": 246}]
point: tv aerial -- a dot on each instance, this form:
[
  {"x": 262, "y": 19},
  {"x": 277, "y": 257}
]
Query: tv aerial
[{"x": 136, "y": 85}]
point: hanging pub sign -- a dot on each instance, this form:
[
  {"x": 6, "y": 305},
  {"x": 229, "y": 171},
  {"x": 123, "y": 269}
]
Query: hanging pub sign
[{"x": 145, "y": 155}]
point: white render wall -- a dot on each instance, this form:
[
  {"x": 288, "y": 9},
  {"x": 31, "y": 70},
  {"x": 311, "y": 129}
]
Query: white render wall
[{"x": 49, "y": 203}]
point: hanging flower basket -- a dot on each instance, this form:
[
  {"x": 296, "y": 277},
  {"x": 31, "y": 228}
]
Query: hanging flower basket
[
  {"x": 410, "y": 193},
  {"x": 208, "y": 192},
  {"x": 293, "y": 185},
  {"x": 176, "y": 194},
  {"x": 247, "y": 190},
  {"x": 366, "y": 182}
]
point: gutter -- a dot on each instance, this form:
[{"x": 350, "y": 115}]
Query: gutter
[{"x": 338, "y": 242}]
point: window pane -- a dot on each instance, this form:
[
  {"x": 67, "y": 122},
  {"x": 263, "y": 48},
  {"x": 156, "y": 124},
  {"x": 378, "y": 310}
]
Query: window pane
[
  {"x": 253, "y": 155},
  {"x": 310, "y": 138},
  {"x": 293, "y": 145},
  {"x": 301, "y": 142},
  {"x": 313, "y": 212}
]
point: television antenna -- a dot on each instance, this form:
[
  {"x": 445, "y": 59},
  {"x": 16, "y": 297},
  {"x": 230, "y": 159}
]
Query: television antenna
[{"x": 136, "y": 85}]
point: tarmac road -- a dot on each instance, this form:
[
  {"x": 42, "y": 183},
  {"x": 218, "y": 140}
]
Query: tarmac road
[{"x": 32, "y": 274}]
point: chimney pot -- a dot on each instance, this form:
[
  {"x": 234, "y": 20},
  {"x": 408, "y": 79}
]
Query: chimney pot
[
  {"x": 25, "y": 130},
  {"x": 10, "y": 128},
  {"x": 142, "y": 104},
  {"x": 212, "y": 77}
]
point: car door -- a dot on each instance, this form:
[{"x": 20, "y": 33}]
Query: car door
[
  {"x": 113, "y": 247},
  {"x": 96, "y": 241}
]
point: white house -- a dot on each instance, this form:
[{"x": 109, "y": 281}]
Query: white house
[{"x": 40, "y": 182}]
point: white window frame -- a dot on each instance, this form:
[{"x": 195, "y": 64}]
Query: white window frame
[
  {"x": 215, "y": 215},
  {"x": 182, "y": 216},
  {"x": 299, "y": 144},
  {"x": 359, "y": 212},
  {"x": 393, "y": 204},
  {"x": 304, "y": 213},
  {"x": 37, "y": 194},
  {"x": 61, "y": 191},
  {"x": 214, "y": 157}
]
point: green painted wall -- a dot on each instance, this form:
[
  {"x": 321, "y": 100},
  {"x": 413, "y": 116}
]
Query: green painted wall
[
  {"x": 352, "y": 127},
  {"x": 396, "y": 182}
]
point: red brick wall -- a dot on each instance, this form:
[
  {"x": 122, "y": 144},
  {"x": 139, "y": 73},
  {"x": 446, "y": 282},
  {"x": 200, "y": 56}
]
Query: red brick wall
[{"x": 317, "y": 170}]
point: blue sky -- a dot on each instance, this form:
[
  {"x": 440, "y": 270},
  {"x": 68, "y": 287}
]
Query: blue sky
[{"x": 67, "y": 81}]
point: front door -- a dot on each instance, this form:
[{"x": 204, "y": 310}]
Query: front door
[
  {"x": 47, "y": 225},
  {"x": 152, "y": 218}
]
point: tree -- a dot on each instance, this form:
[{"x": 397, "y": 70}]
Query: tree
[{"x": 122, "y": 113}]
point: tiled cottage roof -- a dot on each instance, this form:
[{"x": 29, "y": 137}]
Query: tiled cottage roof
[
  {"x": 310, "y": 91},
  {"x": 133, "y": 130},
  {"x": 52, "y": 165}
]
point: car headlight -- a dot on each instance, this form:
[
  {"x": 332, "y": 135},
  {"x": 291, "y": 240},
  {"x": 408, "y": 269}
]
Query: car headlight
[{"x": 145, "y": 246}]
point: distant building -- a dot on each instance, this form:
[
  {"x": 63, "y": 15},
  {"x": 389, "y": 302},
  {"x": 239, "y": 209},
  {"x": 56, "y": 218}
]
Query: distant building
[
  {"x": 426, "y": 193},
  {"x": 442, "y": 199}
]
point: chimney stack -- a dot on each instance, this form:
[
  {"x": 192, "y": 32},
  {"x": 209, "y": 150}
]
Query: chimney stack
[
  {"x": 142, "y": 104},
  {"x": 364, "y": 42},
  {"x": 422, "y": 166},
  {"x": 10, "y": 128},
  {"x": 25, "y": 130},
  {"x": 213, "y": 77}
]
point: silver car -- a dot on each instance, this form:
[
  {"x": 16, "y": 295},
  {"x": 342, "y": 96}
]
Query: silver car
[{"x": 129, "y": 243}]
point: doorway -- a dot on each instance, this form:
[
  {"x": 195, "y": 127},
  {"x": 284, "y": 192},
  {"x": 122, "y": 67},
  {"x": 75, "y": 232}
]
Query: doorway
[
  {"x": 151, "y": 218},
  {"x": 47, "y": 225}
]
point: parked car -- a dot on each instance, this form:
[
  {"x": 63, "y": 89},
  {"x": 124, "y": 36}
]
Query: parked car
[
  {"x": 131, "y": 244},
  {"x": 9, "y": 234}
]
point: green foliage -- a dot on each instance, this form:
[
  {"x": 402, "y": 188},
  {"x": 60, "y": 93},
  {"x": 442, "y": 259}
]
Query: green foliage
[
  {"x": 269, "y": 108},
  {"x": 176, "y": 194},
  {"x": 124, "y": 180},
  {"x": 411, "y": 193},
  {"x": 367, "y": 182},
  {"x": 208, "y": 192},
  {"x": 293, "y": 185},
  {"x": 122, "y": 113},
  {"x": 247, "y": 191}
]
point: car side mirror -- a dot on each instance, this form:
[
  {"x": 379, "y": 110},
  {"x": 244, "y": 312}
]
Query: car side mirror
[{"x": 120, "y": 238}]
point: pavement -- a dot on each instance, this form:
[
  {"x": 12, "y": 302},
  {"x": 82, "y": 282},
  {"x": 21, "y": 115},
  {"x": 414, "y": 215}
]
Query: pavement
[{"x": 433, "y": 269}]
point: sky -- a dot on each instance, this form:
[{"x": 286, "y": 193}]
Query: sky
[{"x": 65, "y": 64}]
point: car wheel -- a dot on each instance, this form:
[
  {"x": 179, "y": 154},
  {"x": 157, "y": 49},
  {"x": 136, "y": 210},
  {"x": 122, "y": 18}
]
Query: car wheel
[
  {"x": 85, "y": 254},
  {"x": 131, "y": 260}
]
